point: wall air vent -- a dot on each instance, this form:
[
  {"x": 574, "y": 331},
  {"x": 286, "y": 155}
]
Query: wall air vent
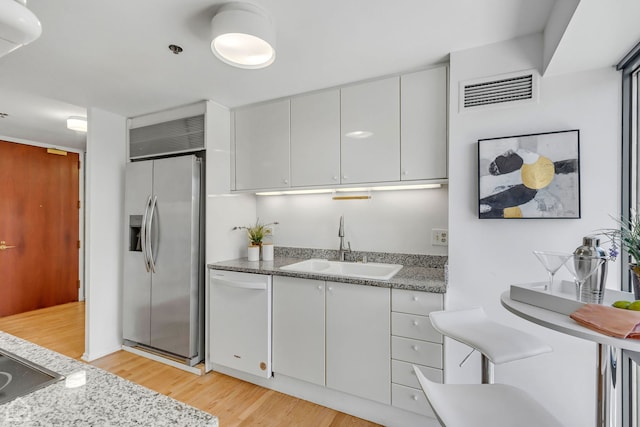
[
  {"x": 504, "y": 90},
  {"x": 172, "y": 137}
]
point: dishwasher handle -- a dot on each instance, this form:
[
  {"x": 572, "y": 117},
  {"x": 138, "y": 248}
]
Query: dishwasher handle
[{"x": 260, "y": 286}]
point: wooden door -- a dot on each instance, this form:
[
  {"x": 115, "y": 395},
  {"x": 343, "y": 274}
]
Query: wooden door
[{"x": 39, "y": 202}]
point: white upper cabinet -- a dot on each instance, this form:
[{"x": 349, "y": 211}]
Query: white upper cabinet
[
  {"x": 424, "y": 125},
  {"x": 315, "y": 139},
  {"x": 262, "y": 146},
  {"x": 383, "y": 131},
  {"x": 370, "y": 133}
]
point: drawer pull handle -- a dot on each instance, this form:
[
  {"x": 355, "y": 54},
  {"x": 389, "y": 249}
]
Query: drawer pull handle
[
  {"x": 415, "y": 323},
  {"x": 319, "y": 287},
  {"x": 414, "y": 397},
  {"x": 415, "y": 298},
  {"x": 415, "y": 347}
]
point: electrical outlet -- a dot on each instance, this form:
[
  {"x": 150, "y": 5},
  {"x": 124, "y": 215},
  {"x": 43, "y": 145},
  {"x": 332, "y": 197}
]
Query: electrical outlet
[
  {"x": 272, "y": 228},
  {"x": 439, "y": 237}
]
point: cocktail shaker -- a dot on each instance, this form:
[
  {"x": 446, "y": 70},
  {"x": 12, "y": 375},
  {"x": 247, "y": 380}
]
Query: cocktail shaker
[{"x": 593, "y": 288}]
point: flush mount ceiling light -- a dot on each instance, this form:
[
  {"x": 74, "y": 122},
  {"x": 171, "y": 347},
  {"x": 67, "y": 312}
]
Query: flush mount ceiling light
[
  {"x": 18, "y": 25},
  {"x": 243, "y": 36},
  {"x": 79, "y": 124}
]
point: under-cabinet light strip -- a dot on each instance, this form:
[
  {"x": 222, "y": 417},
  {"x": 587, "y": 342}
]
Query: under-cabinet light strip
[
  {"x": 350, "y": 190},
  {"x": 351, "y": 197}
]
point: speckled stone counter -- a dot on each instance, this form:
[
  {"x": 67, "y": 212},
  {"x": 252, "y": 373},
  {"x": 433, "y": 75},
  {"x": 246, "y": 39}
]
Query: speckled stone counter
[
  {"x": 411, "y": 277},
  {"x": 105, "y": 400}
]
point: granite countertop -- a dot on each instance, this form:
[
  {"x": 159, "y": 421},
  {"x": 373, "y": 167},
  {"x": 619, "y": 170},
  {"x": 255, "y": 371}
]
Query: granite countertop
[
  {"x": 410, "y": 277},
  {"x": 105, "y": 400}
]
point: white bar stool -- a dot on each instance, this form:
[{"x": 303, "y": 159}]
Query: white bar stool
[
  {"x": 484, "y": 405},
  {"x": 497, "y": 343}
]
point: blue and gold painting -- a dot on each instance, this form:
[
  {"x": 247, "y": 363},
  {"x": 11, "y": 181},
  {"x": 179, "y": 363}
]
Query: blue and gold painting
[{"x": 530, "y": 176}]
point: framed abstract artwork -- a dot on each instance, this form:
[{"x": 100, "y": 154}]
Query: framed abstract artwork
[{"x": 530, "y": 176}]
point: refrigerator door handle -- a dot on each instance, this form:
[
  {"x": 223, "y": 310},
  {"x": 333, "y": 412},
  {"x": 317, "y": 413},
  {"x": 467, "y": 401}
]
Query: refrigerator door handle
[
  {"x": 149, "y": 243},
  {"x": 143, "y": 235}
]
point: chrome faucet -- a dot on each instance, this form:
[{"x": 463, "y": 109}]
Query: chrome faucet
[{"x": 342, "y": 250}]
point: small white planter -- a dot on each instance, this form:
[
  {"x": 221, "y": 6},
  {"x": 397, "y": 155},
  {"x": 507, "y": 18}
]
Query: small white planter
[
  {"x": 253, "y": 253},
  {"x": 267, "y": 251}
]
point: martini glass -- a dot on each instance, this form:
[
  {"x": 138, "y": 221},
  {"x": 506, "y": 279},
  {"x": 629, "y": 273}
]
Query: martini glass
[
  {"x": 582, "y": 267},
  {"x": 552, "y": 261}
]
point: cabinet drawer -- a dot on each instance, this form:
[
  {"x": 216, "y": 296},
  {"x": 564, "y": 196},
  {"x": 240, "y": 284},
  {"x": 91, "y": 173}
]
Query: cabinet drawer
[
  {"x": 414, "y": 326},
  {"x": 415, "y": 302},
  {"x": 410, "y": 399},
  {"x": 415, "y": 351},
  {"x": 402, "y": 373}
]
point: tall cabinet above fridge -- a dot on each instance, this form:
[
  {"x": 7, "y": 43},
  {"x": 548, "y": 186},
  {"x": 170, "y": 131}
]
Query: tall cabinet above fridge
[{"x": 163, "y": 258}]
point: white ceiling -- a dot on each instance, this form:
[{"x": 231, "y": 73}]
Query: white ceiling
[{"x": 114, "y": 54}]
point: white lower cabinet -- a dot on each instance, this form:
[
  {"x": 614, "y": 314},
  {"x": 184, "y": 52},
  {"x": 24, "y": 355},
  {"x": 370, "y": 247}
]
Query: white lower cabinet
[
  {"x": 358, "y": 329},
  {"x": 299, "y": 328},
  {"x": 354, "y": 335},
  {"x": 410, "y": 399},
  {"x": 402, "y": 373},
  {"x": 416, "y": 351},
  {"x": 360, "y": 340},
  {"x": 414, "y": 342}
]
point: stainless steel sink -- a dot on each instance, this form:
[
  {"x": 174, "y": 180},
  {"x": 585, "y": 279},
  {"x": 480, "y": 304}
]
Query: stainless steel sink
[
  {"x": 371, "y": 270},
  {"x": 23, "y": 376}
]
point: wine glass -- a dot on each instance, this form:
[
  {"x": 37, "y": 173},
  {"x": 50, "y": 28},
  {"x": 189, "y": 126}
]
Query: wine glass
[
  {"x": 582, "y": 267},
  {"x": 552, "y": 261}
]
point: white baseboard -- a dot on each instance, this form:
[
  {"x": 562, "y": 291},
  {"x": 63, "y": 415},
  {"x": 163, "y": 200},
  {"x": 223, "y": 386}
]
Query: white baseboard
[
  {"x": 192, "y": 369},
  {"x": 90, "y": 357},
  {"x": 386, "y": 415}
]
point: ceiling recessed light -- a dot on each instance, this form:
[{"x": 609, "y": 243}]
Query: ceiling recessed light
[
  {"x": 175, "y": 49},
  {"x": 243, "y": 36},
  {"x": 79, "y": 124}
]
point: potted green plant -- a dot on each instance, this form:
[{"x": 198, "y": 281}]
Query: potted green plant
[
  {"x": 627, "y": 236},
  {"x": 256, "y": 234}
]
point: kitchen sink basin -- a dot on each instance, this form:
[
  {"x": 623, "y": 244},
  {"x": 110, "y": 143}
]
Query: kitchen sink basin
[{"x": 371, "y": 270}]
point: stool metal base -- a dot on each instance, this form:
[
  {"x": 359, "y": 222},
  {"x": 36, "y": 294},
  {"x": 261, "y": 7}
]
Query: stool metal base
[{"x": 487, "y": 370}]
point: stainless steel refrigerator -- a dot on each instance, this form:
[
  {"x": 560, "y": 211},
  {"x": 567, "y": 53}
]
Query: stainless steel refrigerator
[{"x": 163, "y": 261}]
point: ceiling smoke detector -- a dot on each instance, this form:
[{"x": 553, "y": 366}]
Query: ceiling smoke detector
[{"x": 18, "y": 25}]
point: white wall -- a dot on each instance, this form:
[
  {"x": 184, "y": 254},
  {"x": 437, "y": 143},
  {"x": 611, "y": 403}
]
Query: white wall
[
  {"x": 106, "y": 156},
  {"x": 391, "y": 221},
  {"x": 486, "y": 256},
  {"x": 224, "y": 210}
]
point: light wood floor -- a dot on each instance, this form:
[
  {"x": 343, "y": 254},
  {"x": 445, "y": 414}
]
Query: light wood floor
[{"x": 234, "y": 402}]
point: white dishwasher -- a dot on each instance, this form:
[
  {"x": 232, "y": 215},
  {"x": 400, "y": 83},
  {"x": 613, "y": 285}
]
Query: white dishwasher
[{"x": 240, "y": 321}]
